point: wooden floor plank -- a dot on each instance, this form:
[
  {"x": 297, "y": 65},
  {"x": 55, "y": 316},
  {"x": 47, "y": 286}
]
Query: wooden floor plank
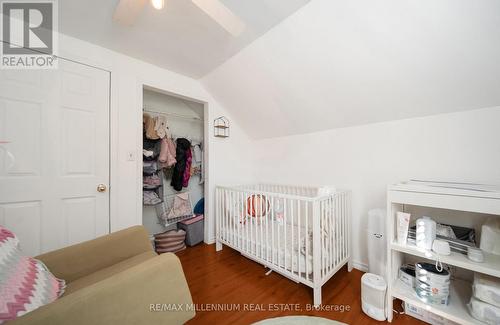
[{"x": 228, "y": 278}]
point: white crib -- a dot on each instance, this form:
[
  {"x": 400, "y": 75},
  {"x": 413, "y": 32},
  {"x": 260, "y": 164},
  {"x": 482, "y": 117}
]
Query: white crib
[{"x": 303, "y": 233}]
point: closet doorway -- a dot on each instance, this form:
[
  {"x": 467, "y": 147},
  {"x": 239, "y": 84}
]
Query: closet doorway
[{"x": 173, "y": 170}]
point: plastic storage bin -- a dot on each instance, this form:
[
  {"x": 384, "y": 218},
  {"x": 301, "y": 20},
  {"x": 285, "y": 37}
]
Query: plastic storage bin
[{"x": 194, "y": 229}]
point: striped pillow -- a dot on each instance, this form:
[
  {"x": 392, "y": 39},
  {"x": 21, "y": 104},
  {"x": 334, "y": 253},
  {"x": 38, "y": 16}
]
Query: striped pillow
[{"x": 25, "y": 283}]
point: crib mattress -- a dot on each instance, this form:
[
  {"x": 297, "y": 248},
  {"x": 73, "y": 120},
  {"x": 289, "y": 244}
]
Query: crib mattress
[{"x": 285, "y": 253}]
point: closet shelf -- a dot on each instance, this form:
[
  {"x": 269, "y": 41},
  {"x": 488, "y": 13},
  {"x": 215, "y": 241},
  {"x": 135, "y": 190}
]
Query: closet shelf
[
  {"x": 174, "y": 115},
  {"x": 490, "y": 266},
  {"x": 456, "y": 310}
]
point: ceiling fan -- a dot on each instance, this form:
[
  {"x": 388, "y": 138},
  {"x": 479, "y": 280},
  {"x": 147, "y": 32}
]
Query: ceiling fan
[{"x": 127, "y": 11}]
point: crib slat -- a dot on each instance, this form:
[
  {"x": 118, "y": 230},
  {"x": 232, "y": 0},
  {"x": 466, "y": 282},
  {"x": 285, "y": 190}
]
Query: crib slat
[
  {"x": 299, "y": 241},
  {"x": 322, "y": 226},
  {"x": 342, "y": 206},
  {"x": 292, "y": 237},
  {"x": 342, "y": 228},
  {"x": 223, "y": 214},
  {"x": 307, "y": 239},
  {"x": 273, "y": 244},
  {"x": 344, "y": 200},
  {"x": 217, "y": 214},
  {"x": 327, "y": 235},
  {"x": 285, "y": 217},
  {"x": 266, "y": 228},
  {"x": 244, "y": 222},
  {"x": 332, "y": 231},
  {"x": 232, "y": 219},
  {"x": 337, "y": 229},
  {"x": 316, "y": 251},
  {"x": 231, "y": 224},
  {"x": 261, "y": 215}
]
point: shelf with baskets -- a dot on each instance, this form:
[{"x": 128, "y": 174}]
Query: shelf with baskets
[{"x": 476, "y": 204}]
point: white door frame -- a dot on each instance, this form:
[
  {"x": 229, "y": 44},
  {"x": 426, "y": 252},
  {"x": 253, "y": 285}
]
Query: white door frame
[{"x": 206, "y": 149}]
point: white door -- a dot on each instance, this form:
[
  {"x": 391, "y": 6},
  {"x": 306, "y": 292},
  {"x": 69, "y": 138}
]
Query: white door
[{"x": 54, "y": 153}]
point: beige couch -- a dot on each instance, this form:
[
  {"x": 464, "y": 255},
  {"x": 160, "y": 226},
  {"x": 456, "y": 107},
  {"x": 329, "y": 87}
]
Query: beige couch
[{"x": 115, "y": 279}]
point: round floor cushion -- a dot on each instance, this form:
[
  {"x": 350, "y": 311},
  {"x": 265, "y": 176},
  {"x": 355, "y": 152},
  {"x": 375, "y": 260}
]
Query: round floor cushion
[
  {"x": 179, "y": 233},
  {"x": 298, "y": 320},
  {"x": 170, "y": 241}
]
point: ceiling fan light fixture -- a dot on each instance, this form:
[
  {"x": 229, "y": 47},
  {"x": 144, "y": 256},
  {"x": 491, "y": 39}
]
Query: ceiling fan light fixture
[{"x": 158, "y": 4}]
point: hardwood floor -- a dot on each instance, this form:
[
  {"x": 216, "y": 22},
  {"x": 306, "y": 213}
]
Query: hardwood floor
[{"x": 235, "y": 282}]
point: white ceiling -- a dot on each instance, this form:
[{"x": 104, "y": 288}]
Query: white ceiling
[
  {"x": 338, "y": 63},
  {"x": 181, "y": 37}
]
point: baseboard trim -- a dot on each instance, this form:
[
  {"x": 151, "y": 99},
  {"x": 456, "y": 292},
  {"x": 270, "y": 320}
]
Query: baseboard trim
[
  {"x": 210, "y": 241},
  {"x": 360, "y": 266}
]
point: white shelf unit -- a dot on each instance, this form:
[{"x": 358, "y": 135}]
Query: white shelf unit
[{"x": 474, "y": 201}]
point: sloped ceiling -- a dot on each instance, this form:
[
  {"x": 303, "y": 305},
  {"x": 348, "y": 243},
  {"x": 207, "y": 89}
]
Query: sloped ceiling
[
  {"x": 338, "y": 63},
  {"x": 181, "y": 37}
]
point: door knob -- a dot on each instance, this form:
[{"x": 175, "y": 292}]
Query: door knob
[{"x": 101, "y": 188}]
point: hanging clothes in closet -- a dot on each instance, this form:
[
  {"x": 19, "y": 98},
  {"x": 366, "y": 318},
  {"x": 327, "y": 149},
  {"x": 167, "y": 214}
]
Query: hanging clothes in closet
[
  {"x": 167, "y": 153},
  {"x": 152, "y": 176},
  {"x": 183, "y": 154}
]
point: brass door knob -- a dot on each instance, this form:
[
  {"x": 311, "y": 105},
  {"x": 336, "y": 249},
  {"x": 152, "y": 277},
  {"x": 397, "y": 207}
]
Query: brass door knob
[{"x": 101, "y": 188}]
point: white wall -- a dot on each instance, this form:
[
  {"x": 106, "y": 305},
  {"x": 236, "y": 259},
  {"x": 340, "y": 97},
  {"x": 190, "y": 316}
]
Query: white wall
[
  {"x": 338, "y": 63},
  {"x": 228, "y": 159},
  {"x": 458, "y": 146}
]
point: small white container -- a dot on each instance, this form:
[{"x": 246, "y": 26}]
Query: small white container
[
  {"x": 475, "y": 254},
  {"x": 373, "y": 288},
  {"x": 402, "y": 225},
  {"x": 426, "y": 232},
  {"x": 490, "y": 236}
]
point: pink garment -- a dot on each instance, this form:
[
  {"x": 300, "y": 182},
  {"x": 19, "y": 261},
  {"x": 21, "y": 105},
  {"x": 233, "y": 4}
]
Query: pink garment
[
  {"x": 187, "y": 171},
  {"x": 167, "y": 152},
  {"x": 181, "y": 206}
]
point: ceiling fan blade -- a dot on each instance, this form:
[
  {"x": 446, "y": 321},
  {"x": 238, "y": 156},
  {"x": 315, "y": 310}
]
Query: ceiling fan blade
[
  {"x": 222, "y": 15},
  {"x": 127, "y": 11}
]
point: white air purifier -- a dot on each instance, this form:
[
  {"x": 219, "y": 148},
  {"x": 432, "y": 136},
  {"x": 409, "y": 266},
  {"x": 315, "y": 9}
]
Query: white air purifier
[{"x": 373, "y": 288}]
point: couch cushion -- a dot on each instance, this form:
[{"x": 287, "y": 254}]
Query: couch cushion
[{"x": 107, "y": 272}]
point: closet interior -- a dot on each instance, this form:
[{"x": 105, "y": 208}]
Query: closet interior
[{"x": 173, "y": 170}]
